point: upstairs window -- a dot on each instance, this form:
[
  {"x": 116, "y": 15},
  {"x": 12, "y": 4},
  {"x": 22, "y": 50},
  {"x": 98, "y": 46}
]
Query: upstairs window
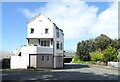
[
  {"x": 45, "y": 43},
  {"x": 57, "y": 45},
  {"x": 31, "y": 30},
  {"x": 40, "y": 20},
  {"x": 57, "y": 33},
  {"x": 61, "y": 46},
  {"x": 46, "y": 30}
]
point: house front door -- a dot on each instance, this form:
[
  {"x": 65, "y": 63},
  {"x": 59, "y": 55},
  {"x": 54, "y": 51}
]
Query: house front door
[{"x": 33, "y": 60}]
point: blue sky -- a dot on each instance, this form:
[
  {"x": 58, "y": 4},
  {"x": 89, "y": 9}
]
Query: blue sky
[{"x": 15, "y": 16}]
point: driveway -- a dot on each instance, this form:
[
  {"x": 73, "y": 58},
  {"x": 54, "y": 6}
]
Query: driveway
[{"x": 70, "y": 72}]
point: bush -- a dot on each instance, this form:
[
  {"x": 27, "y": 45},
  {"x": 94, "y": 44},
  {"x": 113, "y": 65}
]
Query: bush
[
  {"x": 77, "y": 60},
  {"x": 96, "y": 56},
  {"x": 110, "y": 54}
]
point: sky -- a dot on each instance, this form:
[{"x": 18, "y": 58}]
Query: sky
[{"x": 79, "y": 20}]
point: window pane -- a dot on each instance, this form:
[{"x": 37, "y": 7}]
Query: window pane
[
  {"x": 32, "y": 30},
  {"x": 57, "y": 34},
  {"x": 47, "y": 43},
  {"x": 46, "y": 30},
  {"x": 57, "y": 45},
  {"x": 41, "y": 43},
  {"x": 44, "y": 43},
  {"x": 61, "y": 45},
  {"x": 48, "y": 58},
  {"x": 42, "y": 58}
]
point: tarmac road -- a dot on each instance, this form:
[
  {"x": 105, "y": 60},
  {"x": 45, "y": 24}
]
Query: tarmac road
[{"x": 70, "y": 72}]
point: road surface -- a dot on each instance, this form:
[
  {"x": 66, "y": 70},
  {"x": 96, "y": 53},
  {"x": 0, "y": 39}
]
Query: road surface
[{"x": 70, "y": 72}]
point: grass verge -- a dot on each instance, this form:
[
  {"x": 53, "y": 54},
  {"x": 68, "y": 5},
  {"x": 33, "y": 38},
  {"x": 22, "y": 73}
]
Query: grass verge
[{"x": 78, "y": 61}]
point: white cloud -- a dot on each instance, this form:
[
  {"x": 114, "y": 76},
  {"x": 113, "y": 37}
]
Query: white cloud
[
  {"x": 107, "y": 22},
  {"x": 78, "y": 20}
]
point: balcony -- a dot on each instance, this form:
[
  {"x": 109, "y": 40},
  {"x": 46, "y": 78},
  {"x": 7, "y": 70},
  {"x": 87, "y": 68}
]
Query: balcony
[
  {"x": 37, "y": 50},
  {"x": 44, "y": 50}
]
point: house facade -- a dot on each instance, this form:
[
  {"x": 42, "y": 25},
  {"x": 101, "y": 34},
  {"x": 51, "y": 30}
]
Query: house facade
[{"x": 44, "y": 47}]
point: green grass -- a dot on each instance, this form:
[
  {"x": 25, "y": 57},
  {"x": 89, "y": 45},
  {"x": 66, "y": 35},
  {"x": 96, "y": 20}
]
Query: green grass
[
  {"x": 78, "y": 61},
  {"x": 84, "y": 62}
]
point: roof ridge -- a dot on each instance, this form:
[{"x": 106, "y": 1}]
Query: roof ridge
[{"x": 34, "y": 17}]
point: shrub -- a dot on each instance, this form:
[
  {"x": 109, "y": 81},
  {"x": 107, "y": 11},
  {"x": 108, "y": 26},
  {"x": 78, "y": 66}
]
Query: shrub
[
  {"x": 96, "y": 56},
  {"x": 110, "y": 54}
]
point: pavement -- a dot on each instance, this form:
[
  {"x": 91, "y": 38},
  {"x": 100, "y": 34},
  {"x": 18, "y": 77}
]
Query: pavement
[{"x": 70, "y": 72}]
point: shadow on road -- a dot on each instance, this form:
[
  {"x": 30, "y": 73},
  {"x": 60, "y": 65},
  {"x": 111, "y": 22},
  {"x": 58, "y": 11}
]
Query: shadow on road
[{"x": 75, "y": 66}]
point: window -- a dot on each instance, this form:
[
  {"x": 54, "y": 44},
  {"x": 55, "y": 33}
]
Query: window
[
  {"x": 41, "y": 43},
  {"x": 57, "y": 33},
  {"x": 43, "y": 58},
  {"x": 45, "y": 43},
  {"x": 48, "y": 58},
  {"x": 57, "y": 45},
  {"x": 19, "y": 54},
  {"x": 46, "y": 31},
  {"x": 32, "y": 30},
  {"x": 40, "y": 20},
  {"x": 61, "y": 45}
]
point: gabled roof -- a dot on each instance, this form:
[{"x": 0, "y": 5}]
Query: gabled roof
[
  {"x": 46, "y": 17},
  {"x": 34, "y": 17}
]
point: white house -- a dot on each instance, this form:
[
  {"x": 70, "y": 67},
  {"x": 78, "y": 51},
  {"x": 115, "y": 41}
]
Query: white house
[{"x": 44, "y": 47}]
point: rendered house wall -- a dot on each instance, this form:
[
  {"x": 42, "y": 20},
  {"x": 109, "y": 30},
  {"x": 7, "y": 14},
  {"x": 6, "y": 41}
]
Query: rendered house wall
[
  {"x": 58, "y": 53},
  {"x": 39, "y": 28},
  {"x": 17, "y": 62}
]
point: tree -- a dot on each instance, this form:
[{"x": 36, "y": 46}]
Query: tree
[
  {"x": 84, "y": 48},
  {"x": 119, "y": 43},
  {"x": 102, "y": 41},
  {"x": 115, "y": 44},
  {"x": 110, "y": 54}
]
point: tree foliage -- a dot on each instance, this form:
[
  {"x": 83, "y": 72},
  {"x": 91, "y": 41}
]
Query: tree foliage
[
  {"x": 102, "y": 41},
  {"x": 110, "y": 54},
  {"x": 96, "y": 56},
  {"x": 84, "y": 48}
]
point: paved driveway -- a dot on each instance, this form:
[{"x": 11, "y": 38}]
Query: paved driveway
[{"x": 70, "y": 72}]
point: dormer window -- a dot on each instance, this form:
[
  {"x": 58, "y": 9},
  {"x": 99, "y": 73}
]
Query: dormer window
[
  {"x": 31, "y": 30},
  {"x": 46, "y": 30}
]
